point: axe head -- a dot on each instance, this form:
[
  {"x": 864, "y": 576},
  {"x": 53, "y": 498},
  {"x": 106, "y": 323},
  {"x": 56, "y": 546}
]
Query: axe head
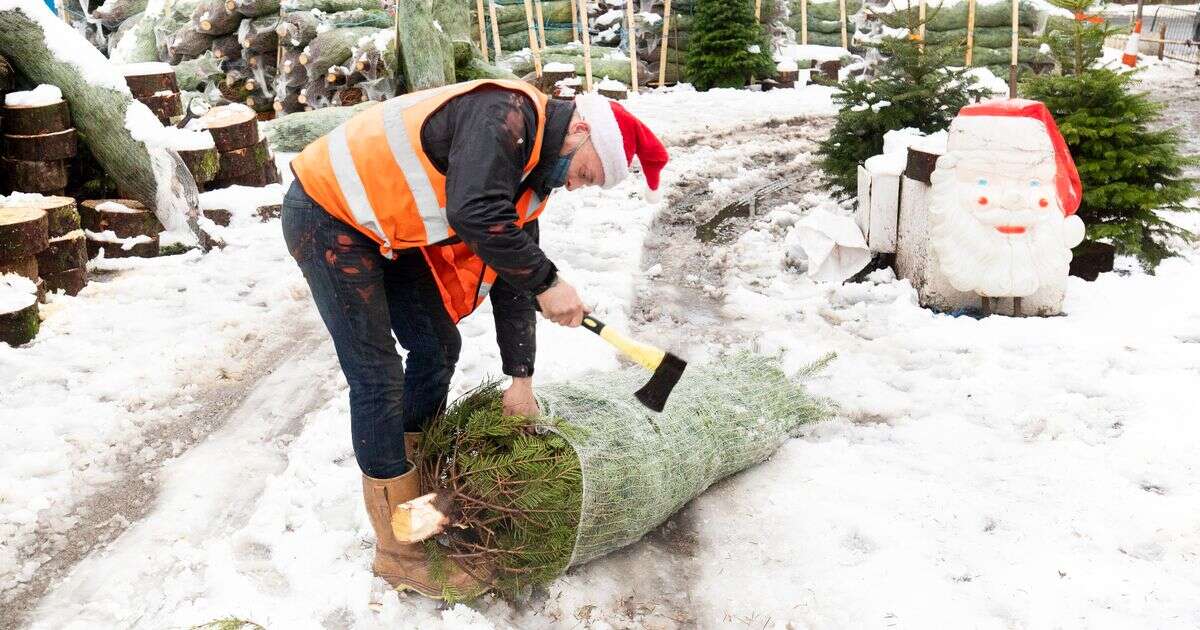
[{"x": 655, "y": 392}]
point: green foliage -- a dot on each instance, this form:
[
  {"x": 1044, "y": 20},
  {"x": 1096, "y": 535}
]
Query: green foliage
[
  {"x": 1129, "y": 171},
  {"x": 912, "y": 89},
  {"x": 228, "y": 623},
  {"x": 719, "y": 52},
  {"x": 1076, "y": 44}
]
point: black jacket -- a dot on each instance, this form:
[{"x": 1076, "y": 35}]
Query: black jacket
[{"x": 481, "y": 141}]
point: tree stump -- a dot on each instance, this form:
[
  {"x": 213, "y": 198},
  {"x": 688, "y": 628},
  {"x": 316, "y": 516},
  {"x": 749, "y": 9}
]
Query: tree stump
[
  {"x": 69, "y": 281},
  {"x": 1091, "y": 258},
  {"x": 118, "y": 248},
  {"x": 48, "y": 147},
  {"x": 36, "y": 121},
  {"x": 24, "y": 232},
  {"x": 19, "y": 324},
  {"x": 125, "y": 218},
  {"x": 232, "y": 127},
  {"x": 239, "y": 162},
  {"x": 61, "y": 215},
  {"x": 204, "y": 164},
  {"x": 36, "y": 177},
  {"x": 147, "y": 79},
  {"x": 166, "y": 106},
  {"x": 616, "y": 95},
  {"x": 26, "y": 267},
  {"x": 64, "y": 252},
  {"x": 788, "y": 78}
]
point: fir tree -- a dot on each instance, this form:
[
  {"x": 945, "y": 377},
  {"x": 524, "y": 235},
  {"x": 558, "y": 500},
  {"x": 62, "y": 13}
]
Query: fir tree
[
  {"x": 913, "y": 88},
  {"x": 1130, "y": 171},
  {"x": 725, "y": 38}
]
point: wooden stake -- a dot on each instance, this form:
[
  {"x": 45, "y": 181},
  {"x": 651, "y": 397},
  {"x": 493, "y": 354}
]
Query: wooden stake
[
  {"x": 1162, "y": 36},
  {"x": 483, "y": 45},
  {"x": 1012, "y": 70},
  {"x": 970, "y": 31},
  {"x": 842, "y": 20},
  {"x": 758, "y": 10},
  {"x": 920, "y": 27},
  {"x": 803, "y": 22},
  {"x": 587, "y": 45},
  {"x": 495, "y": 28},
  {"x": 662, "y": 53},
  {"x": 633, "y": 64},
  {"x": 533, "y": 39},
  {"x": 541, "y": 24},
  {"x": 575, "y": 23}
]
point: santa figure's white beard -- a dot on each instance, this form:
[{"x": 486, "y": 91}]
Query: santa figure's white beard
[{"x": 977, "y": 258}]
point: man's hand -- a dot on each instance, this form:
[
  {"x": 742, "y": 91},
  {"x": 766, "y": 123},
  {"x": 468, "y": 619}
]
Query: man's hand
[
  {"x": 519, "y": 400},
  {"x": 561, "y": 304}
]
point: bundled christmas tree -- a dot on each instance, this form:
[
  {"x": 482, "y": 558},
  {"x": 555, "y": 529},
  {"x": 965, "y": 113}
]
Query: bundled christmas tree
[
  {"x": 728, "y": 46},
  {"x": 922, "y": 89},
  {"x": 598, "y": 471},
  {"x": 1130, "y": 170}
]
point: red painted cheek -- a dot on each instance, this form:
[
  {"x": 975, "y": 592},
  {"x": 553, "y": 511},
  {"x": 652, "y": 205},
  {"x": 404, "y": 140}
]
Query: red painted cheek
[
  {"x": 983, "y": 201},
  {"x": 1043, "y": 202}
]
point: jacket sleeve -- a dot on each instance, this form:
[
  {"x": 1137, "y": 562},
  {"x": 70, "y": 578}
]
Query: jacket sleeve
[
  {"x": 492, "y": 141},
  {"x": 516, "y": 322}
]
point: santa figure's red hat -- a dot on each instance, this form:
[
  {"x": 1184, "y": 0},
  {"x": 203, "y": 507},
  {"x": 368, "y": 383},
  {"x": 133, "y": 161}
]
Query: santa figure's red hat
[
  {"x": 619, "y": 137},
  {"x": 1015, "y": 127}
]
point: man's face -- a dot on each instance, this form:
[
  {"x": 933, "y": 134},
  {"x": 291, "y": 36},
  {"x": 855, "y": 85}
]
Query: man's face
[{"x": 586, "y": 168}]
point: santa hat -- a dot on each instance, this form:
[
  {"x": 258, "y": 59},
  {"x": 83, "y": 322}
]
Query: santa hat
[
  {"x": 618, "y": 137},
  {"x": 1012, "y": 126}
]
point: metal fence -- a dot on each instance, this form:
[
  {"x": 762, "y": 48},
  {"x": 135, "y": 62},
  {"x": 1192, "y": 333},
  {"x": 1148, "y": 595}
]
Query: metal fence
[{"x": 1167, "y": 31}]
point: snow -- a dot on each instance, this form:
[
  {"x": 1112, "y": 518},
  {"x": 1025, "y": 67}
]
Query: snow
[
  {"x": 816, "y": 54},
  {"x": 185, "y": 139},
  {"x": 787, "y": 65},
  {"x": 16, "y": 293},
  {"x": 116, "y": 206},
  {"x": 558, "y": 66},
  {"x": 611, "y": 84},
  {"x": 978, "y": 473},
  {"x": 39, "y": 96},
  {"x": 67, "y": 46},
  {"x": 146, "y": 68},
  {"x": 108, "y": 236}
]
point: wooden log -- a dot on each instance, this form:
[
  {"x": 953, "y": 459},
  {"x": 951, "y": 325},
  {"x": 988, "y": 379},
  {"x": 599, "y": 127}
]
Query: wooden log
[
  {"x": 260, "y": 104},
  {"x": 36, "y": 121},
  {"x": 24, "y": 232},
  {"x": 165, "y": 106},
  {"x": 69, "y": 281},
  {"x": 36, "y": 177},
  {"x": 265, "y": 115},
  {"x": 62, "y": 253},
  {"x": 124, "y": 217},
  {"x": 242, "y": 161},
  {"x": 495, "y": 28},
  {"x": 19, "y": 326},
  {"x": 257, "y": 8},
  {"x": 232, "y": 127},
  {"x": 297, "y": 29},
  {"x": 204, "y": 164},
  {"x": 61, "y": 214},
  {"x": 662, "y": 60},
  {"x": 586, "y": 27},
  {"x": 43, "y": 148},
  {"x": 920, "y": 165},
  {"x": 268, "y": 174},
  {"x": 220, "y": 216},
  {"x": 146, "y": 249},
  {"x": 151, "y": 82},
  {"x": 213, "y": 17},
  {"x": 260, "y": 35},
  {"x": 483, "y": 45},
  {"x": 188, "y": 43},
  {"x": 226, "y": 47},
  {"x": 1091, "y": 258},
  {"x": 288, "y": 103},
  {"x": 26, "y": 267},
  {"x": 970, "y": 32}
]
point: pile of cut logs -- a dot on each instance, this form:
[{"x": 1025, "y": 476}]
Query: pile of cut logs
[
  {"x": 154, "y": 84},
  {"x": 121, "y": 228},
  {"x": 243, "y": 156},
  {"x": 40, "y": 241},
  {"x": 39, "y": 142}
]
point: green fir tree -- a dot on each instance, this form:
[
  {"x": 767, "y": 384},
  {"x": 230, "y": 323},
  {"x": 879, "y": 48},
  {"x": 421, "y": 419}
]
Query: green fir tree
[
  {"x": 1131, "y": 168},
  {"x": 725, "y": 37}
]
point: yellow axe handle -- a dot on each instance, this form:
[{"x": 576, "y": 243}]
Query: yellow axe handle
[{"x": 646, "y": 355}]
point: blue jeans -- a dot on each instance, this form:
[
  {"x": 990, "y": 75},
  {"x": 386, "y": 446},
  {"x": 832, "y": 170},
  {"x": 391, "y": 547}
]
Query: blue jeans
[{"x": 364, "y": 299}]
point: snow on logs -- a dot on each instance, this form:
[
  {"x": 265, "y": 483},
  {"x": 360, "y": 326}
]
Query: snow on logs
[
  {"x": 38, "y": 141},
  {"x": 62, "y": 264},
  {"x": 155, "y": 85},
  {"x": 24, "y": 233},
  {"x": 121, "y": 228},
  {"x": 244, "y": 157}
]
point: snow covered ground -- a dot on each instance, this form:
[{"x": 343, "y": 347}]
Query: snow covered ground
[{"x": 1002, "y": 473}]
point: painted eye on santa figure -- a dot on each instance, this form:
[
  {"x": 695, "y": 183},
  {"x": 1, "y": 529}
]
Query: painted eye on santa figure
[
  {"x": 1033, "y": 183},
  {"x": 982, "y": 182}
]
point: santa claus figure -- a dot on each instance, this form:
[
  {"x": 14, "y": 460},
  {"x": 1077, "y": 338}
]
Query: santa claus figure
[{"x": 1003, "y": 201}]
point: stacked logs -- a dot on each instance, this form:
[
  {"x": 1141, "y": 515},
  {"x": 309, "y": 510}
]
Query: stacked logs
[
  {"x": 154, "y": 84},
  {"x": 39, "y": 143},
  {"x": 120, "y": 228},
  {"x": 244, "y": 157},
  {"x": 23, "y": 235},
  {"x": 62, "y": 266}
]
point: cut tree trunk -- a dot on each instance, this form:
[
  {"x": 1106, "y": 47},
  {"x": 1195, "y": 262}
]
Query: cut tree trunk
[
  {"x": 289, "y": 103},
  {"x": 65, "y": 252},
  {"x": 69, "y": 281},
  {"x": 43, "y": 148},
  {"x": 188, "y": 43},
  {"x": 259, "y": 35},
  {"x": 36, "y": 177},
  {"x": 261, "y": 105},
  {"x": 297, "y": 29},
  {"x": 232, "y": 127},
  {"x": 24, "y": 232},
  {"x": 213, "y": 17},
  {"x": 61, "y": 215},
  {"x": 256, "y": 8},
  {"x": 26, "y": 267},
  {"x": 164, "y": 106},
  {"x": 265, "y": 176},
  {"x": 204, "y": 164},
  {"x": 147, "y": 249},
  {"x": 144, "y": 85},
  {"x": 131, "y": 221},
  {"x": 35, "y": 121},
  {"x": 20, "y": 326},
  {"x": 227, "y": 47}
]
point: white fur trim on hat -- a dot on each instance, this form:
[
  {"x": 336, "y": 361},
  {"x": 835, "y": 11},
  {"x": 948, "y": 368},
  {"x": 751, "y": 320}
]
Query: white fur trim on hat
[{"x": 606, "y": 136}]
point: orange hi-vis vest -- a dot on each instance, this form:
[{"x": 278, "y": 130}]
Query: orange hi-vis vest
[{"x": 371, "y": 172}]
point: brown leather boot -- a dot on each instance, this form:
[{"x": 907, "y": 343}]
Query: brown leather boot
[{"x": 407, "y": 566}]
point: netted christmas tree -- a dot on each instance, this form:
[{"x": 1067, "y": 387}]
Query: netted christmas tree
[
  {"x": 915, "y": 86},
  {"x": 597, "y": 471},
  {"x": 728, "y": 46},
  {"x": 1132, "y": 169}
]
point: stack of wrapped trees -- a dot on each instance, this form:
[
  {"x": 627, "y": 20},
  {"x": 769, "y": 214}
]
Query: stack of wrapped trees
[
  {"x": 513, "y": 27},
  {"x": 120, "y": 228},
  {"x": 38, "y": 141},
  {"x": 824, "y": 21},
  {"x": 23, "y": 235},
  {"x": 993, "y": 34}
]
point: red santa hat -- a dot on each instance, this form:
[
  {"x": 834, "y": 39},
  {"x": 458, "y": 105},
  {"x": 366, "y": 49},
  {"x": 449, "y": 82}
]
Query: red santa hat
[
  {"x": 619, "y": 137},
  {"x": 1016, "y": 124}
]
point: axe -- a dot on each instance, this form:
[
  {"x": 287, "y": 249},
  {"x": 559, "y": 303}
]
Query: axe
[{"x": 666, "y": 367}]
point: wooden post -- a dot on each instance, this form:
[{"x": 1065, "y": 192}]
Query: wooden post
[
  {"x": 633, "y": 64},
  {"x": 1016, "y": 42},
  {"x": 758, "y": 10},
  {"x": 587, "y": 45},
  {"x": 398, "y": 90},
  {"x": 1162, "y": 40},
  {"x": 842, "y": 20},
  {"x": 574, "y": 23},
  {"x": 533, "y": 39},
  {"x": 541, "y": 24},
  {"x": 920, "y": 27},
  {"x": 662, "y": 52},
  {"x": 483, "y": 45},
  {"x": 803, "y": 22},
  {"x": 970, "y": 31},
  {"x": 495, "y": 28}
]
